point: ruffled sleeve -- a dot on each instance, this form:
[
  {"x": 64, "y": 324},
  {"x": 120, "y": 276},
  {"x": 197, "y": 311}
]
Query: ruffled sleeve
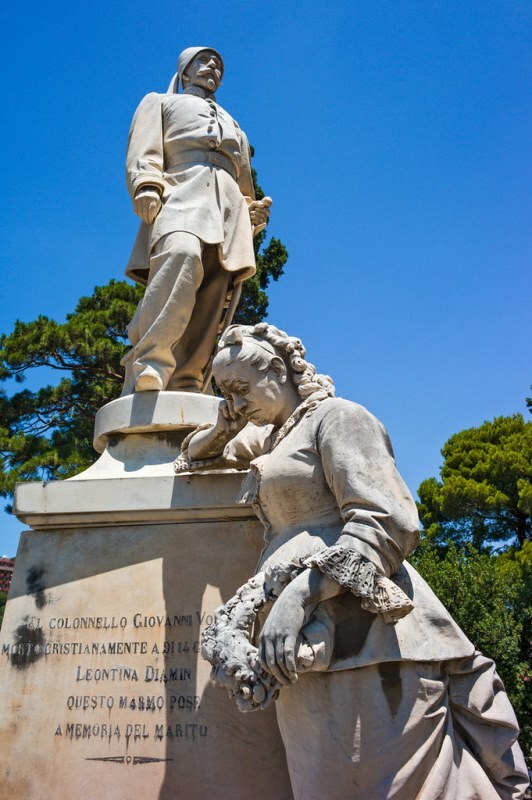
[
  {"x": 348, "y": 568},
  {"x": 380, "y": 517}
]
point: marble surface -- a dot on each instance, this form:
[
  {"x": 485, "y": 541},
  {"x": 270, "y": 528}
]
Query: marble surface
[
  {"x": 153, "y": 412},
  {"x": 383, "y": 715},
  {"x": 103, "y": 690}
]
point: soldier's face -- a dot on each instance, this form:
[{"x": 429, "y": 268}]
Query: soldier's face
[{"x": 205, "y": 71}]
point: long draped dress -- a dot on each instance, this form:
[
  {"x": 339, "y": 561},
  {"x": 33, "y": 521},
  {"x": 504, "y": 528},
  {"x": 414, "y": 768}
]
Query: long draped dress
[{"x": 406, "y": 708}]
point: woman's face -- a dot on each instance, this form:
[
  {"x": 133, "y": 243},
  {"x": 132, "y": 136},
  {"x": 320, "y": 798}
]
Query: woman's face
[{"x": 261, "y": 396}]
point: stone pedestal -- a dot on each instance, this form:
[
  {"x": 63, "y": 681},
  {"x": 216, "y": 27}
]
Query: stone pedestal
[{"x": 104, "y": 693}]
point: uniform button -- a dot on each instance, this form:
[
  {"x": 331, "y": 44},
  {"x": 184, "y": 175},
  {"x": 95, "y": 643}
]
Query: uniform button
[
  {"x": 213, "y": 113},
  {"x": 209, "y": 130},
  {"x": 212, "y": 145}
]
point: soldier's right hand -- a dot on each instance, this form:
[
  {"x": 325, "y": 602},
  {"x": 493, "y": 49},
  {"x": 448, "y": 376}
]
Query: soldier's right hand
[
  {"x": 259, "y": 212},
  {"x": 147, "y": 204}
]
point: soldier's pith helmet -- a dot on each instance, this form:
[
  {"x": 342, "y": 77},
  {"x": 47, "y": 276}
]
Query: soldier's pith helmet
[{"x": 188, "y": 55}]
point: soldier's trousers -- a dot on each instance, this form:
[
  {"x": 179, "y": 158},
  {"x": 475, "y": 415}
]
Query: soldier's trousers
[{"x": 175, "y": 326}]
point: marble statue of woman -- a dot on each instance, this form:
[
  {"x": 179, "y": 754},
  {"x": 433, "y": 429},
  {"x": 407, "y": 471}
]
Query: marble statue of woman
[{"x": 394, "y": 701}]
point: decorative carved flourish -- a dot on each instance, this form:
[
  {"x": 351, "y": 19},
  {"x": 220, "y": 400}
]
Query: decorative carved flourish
[
  {"x": 227, "y": 642},
  {"x": 134, "y": 760}
]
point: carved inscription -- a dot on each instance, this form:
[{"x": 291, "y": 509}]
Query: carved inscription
[{"x": 130, "y": 679}]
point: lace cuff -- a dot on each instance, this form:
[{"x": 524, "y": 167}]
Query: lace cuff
[
  {"x": 183, "y": 462},
  {"x": 379, "y": 594}
]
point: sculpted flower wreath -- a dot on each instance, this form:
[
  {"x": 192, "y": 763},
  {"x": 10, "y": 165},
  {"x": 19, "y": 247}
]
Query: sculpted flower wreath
[{"x": 227, "y": 642}]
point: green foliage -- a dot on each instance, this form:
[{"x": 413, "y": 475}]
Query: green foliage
[
  {"x": 485, "y": 492},
  {"x": 270, "y": 260},
  {"x": 483, "y": 500},
  {"x": 3, "y": 601},
  {"x": 490, "y": 597},
  {"x": 253, "y": 305},
  {"x": 47, "y": 434}
]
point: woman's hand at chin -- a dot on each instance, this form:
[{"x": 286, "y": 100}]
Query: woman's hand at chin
[
  {"x": 210, "y": 443},
  {"x": 229, "y": 421}
]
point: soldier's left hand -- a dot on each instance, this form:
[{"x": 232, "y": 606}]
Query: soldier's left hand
[{"x": 259, "y": 211}]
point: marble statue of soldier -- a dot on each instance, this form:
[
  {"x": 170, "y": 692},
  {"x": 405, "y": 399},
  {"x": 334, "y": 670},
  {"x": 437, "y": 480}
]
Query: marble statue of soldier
[{"x": 189, "y": 177}]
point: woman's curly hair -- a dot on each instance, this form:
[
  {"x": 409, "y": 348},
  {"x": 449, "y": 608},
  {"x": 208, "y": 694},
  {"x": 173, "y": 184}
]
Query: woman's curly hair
[{"x": 265, "y": 338}]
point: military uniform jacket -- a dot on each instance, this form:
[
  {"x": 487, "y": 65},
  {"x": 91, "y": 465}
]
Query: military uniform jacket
[{"x": 198, "y": 157}]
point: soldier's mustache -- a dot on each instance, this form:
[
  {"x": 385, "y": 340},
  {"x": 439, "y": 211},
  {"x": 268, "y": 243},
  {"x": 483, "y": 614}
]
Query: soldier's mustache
[{"x": 206, "y": 71}]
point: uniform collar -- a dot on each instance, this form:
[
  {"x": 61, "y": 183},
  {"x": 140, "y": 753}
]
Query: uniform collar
[{"x": 197, "y": 91}]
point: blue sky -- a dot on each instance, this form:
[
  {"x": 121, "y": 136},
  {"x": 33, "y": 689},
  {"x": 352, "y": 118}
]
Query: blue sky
[{"x": 394, "y": 140}]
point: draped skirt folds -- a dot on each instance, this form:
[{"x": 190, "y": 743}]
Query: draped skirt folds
[{"x": 403, "y": 731}]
